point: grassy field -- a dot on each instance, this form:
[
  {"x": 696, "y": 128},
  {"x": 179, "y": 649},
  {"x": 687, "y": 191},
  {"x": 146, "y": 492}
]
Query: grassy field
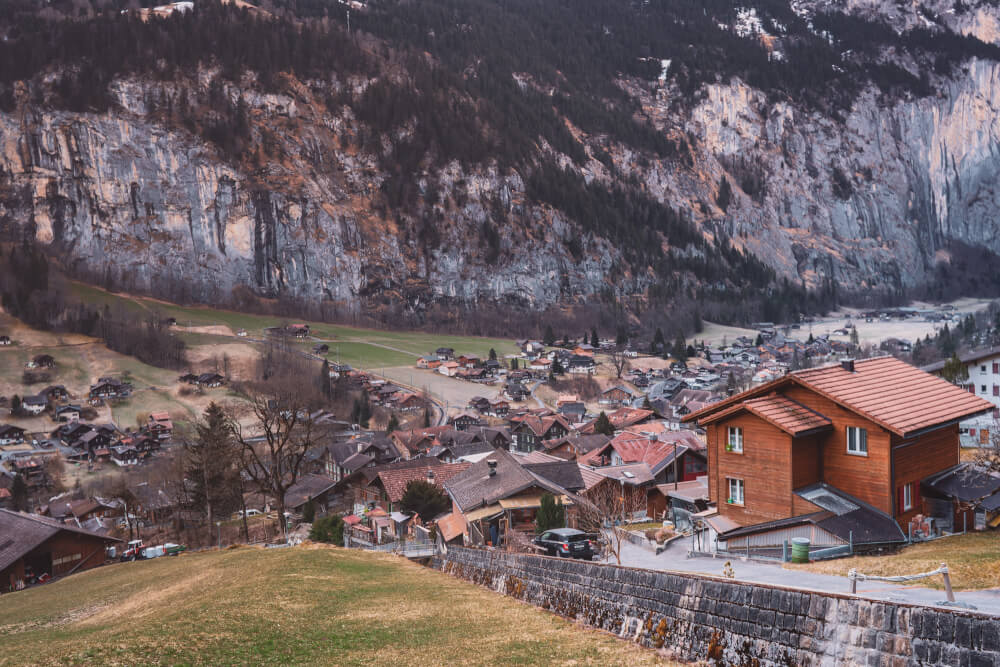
[
  {"x": 362, "y": 348},
  {"x": 304, "y": 605},
  {"x": 973, "y": 562}
]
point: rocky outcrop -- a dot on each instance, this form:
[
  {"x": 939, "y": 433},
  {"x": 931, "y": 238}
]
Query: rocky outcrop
[{"x": 125, "y": 198}]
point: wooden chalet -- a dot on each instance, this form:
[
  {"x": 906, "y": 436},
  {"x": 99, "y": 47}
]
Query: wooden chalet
[{"x": 842, "y": 446}]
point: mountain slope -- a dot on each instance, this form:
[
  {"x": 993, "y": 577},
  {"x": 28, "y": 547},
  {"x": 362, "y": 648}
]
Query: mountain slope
[{"x": 476, "y": 152}]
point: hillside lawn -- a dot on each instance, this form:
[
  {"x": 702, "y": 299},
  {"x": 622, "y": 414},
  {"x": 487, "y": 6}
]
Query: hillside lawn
[
  {"x": 361, "y": 348},
  {"x": 973, "y": 562},
  {"x": 310, "y": 604}
]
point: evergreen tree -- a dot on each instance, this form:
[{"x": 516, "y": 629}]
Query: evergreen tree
[
  {"x": 603, "y": 425},
  {"x": 493, "y": 354},
  {"x": 325, "y": 386},
  {"x": 725, "y": 195},
  {"x": 19, "y": 494},
  {"x": 551, "y": 514},
  {"x": 759, "y": 341},
  {"x": 622, "y": 337},
  {"x": 680, "y": 349},
  {"x": 513, "y": 364},
  {"x": 658, "y": 341},
  {"x": 425, "y": 499},
  {"x": 393, "y": 424},
  {"x": 954, "y": 370},
  {"x": 594, "y": 340},
  {"x": 309, "y": 511},
  {"x": 646, "y": 405},
  {"x": 557, "y": 367},
  {"x": 328, "y": 529},
  {"x": 550, "y": 336},
  {"x": 210, "y": 466},
  {"x": 427, "y": 417}
]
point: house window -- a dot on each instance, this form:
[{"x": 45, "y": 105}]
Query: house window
[
  {"x": 996, "y": 368},
  {"x": 982, "y": 389},
  {"x": 736, "y": 491},
  {"x": 735, "y": 441},
  {"x": 982, "y": 368},
  {"x": 996, "y": 390},
  {"x": 906, "y": 497},
  {"x": 857, "y": 440}
]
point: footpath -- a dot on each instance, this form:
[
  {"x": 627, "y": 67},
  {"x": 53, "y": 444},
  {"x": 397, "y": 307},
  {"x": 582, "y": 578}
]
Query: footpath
[{"x": 675, "y": 559}]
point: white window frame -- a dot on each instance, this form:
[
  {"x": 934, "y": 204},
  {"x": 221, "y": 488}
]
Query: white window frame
[
  {"x": 737, "y": 491},
  {"x": 907, "y": 497},
  {"x": 734, "y": 445},
  {"x": 857, "y": 450}
]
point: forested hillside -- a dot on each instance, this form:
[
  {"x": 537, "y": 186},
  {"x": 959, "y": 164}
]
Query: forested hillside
[{"x": 448, "y": 161}]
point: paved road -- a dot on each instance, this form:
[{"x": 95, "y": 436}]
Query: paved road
[{"x": 675, "y": 559}]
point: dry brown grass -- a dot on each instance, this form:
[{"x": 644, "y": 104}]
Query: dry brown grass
[
  {"x": 973, "y": 562},
  {"x": 306, "y": 605}
]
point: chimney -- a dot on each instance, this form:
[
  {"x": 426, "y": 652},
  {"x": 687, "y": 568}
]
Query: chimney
[
  {"x": 847, "y": 365},
  {"x": 493, "y": 467},
  {"x": 430, "y": 476}
]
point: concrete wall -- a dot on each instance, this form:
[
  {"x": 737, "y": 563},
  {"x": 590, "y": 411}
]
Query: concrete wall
[{"x": 727, "y": 622}]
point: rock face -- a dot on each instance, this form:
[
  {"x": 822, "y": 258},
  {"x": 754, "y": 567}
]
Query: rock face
[
  {"x": 868, "y": 200},
  {"x": 127, "y": 201},
  {"x": 913, "y": 176}
]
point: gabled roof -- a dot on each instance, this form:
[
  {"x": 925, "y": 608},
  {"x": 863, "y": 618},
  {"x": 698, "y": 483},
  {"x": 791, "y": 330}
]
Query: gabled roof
[
  {"x": 893, "y": 394},
  {"x": 307, "y": 488},
  {"x": 966, "y": 358},
  {"x": 564, "y": 473},
  {"x": 394, "y": 481},
  {"x": 21, "y": 532},
  {"x": 784, "y": 413},
  {"x": 475, "y": 487}
]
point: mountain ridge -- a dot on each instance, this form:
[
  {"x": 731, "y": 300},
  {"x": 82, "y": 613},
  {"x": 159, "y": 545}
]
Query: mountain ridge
[{"x": 385, "y": 177}]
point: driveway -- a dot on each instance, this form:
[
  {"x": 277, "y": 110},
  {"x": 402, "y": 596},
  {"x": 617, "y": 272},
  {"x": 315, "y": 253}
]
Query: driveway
[{"x": 675, "y": 559}]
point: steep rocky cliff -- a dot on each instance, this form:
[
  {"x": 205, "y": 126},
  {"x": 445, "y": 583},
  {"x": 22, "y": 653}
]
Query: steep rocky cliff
[{"x": 871, "y": 196}]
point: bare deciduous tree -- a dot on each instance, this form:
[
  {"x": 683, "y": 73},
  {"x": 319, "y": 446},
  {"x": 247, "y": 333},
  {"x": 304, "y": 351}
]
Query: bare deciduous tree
[
  {"x": 618, "y": 360},
  {"x": 273, "y": 447},
  {"x": 607, "y": 508}
]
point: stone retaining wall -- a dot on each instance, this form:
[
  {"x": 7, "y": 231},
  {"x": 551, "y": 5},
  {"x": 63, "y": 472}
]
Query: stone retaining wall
[{"x": 728, "y": 622}]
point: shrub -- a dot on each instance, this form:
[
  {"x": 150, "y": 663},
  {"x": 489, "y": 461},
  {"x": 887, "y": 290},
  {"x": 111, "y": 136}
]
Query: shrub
[
  {"x": 329, "y": 529},
  {"x": 309, "y": 512}
]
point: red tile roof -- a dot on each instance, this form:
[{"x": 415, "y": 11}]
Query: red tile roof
[
  {"x": 895, "y": 395},
  {"x": 394, "y": 481},
  {"x": 788, "y": 415}
]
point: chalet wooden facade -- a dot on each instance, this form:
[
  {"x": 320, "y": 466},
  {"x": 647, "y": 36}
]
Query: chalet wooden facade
[{"x": 871, "y": 429}]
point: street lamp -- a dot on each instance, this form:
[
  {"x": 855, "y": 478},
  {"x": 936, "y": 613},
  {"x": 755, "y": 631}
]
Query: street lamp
[{"x": 218, "y": 524}]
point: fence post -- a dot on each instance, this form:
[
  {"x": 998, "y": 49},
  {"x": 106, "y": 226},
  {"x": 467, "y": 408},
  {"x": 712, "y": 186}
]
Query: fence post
[
  {"x": 784, "y": 551},
  {"x": 852, "y": 576},
  {"x": 850, "y": 542},
  {"x": 909, "y": 533},
  {"x": 947, "y": 582}
]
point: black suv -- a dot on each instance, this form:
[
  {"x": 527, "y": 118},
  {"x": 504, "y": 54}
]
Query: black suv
[{"x": 566, "y": 542}]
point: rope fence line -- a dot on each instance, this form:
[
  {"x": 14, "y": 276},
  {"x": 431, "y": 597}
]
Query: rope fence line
[{"x": 854, "y": 576}]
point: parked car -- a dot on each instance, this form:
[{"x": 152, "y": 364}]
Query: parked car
[
  {"x": 250, "y": 512},
  {"x": 567, "y": 543}
]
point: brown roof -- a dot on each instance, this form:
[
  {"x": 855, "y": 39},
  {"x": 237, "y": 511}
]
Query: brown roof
[
  {"x": 394, "y": 481},
  {"x": 895, "y": 395},
  {"x": 23, "y": 532},
  {"x": 788, "y": 415},
  {"x": 451, "y": 525}
]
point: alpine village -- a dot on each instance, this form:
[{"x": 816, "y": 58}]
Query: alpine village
[{"x": 496, "y": 332}]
